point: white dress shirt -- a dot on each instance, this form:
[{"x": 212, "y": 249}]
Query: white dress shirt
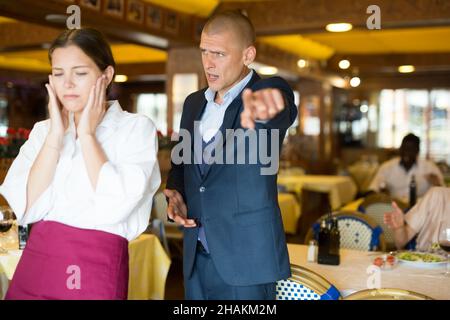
[
  {"x": 395, "y": 178},
  {"x": 425, "y": 217},
  {"x": 212, "y": 117},
  {"x": 120, "y": 204}
]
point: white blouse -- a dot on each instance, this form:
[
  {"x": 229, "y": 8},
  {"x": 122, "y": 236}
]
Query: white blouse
[{"x": 121, "y": 203}]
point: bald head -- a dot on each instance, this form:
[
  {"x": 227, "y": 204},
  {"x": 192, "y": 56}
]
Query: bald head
[{"x": 232, "y": 21}]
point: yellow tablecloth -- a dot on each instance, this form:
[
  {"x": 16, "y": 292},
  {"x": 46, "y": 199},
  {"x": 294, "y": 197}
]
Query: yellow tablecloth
[
  {"x": 290, "y": 211},
  {"x": 351, "y": 275},
  {"x": 8, "y": 264},
  {"x": 149, "y": 266},
  {"x": 341, "y": 189}
]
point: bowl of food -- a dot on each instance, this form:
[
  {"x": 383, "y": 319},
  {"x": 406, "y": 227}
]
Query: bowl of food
[
  {"x": 421, "y": 259},
  {"x": 385, "y": 261}
]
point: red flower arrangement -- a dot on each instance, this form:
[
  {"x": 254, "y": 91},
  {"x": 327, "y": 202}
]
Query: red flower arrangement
[{"x": 11, "y": 144}]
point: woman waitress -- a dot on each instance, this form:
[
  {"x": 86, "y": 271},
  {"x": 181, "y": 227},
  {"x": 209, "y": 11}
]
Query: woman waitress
[{"x": 85, "y": 179}]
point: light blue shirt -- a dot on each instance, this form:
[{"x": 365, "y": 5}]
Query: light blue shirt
[{"x": 213, "y": 115}]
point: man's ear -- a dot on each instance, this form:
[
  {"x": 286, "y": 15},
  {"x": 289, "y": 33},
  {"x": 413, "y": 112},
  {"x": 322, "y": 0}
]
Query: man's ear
[
  {"x": 109, "y": 73},
  {"x": 249, "y": 55}
]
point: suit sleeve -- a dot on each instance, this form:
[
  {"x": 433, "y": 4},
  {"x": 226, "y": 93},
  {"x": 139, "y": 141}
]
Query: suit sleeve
[
  {"x": 286, "y": 117},
  {"x": 175, "y": 179}
]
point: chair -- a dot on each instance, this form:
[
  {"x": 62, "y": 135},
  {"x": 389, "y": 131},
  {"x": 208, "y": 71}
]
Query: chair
[
  {"x": 170, "y": 230},
  {"x": 374, "y": 198},
  {"x": 386, "y": 294},
  {"x": 157, "y": 228},
  {"x": 375, "y": 206},
  {"x": 357, "y": 232},
  {"x": 314, "y": 206},
  {"x": 362, "y": 172},
  {"x": 305, "y": 284}
]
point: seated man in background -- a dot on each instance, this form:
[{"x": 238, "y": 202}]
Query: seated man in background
[
  {"x": 422, "y": 220},
  {"x": 394, "y": 176}
]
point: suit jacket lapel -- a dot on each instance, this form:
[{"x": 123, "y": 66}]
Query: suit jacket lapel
[
  {"x": 230, "y": 117},
  {"x": 197, "y": 107}
]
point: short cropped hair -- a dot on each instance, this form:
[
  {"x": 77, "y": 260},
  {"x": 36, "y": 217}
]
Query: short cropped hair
[
  {"x": 234, "y": 21},
  {"x": 411, "y": 138}
]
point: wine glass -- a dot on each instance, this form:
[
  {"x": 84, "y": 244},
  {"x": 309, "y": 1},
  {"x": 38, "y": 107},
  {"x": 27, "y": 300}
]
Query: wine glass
[
  {"x": 6, "y": 222},
  {"x": 444, "y": 241}
]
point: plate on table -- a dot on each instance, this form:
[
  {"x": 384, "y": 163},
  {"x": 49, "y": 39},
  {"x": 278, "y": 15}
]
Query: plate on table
[{"x": 421, "y": 259}]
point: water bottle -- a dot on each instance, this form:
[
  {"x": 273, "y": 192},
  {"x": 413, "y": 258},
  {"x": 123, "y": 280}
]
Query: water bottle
[
  {"x": 324, "y": 242},
  {"x": 335, "y": 239}
]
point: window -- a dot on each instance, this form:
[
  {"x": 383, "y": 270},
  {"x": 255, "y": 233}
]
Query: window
[
  {"x": 154, "y": 106},
  {"x": 183, "y": 85},
  {"x": 3, "y": 115},
  {"x": 426, "y": 113}
]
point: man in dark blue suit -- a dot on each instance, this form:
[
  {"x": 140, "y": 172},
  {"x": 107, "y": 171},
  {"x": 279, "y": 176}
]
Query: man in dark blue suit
[{"x": 234, "y": 242}]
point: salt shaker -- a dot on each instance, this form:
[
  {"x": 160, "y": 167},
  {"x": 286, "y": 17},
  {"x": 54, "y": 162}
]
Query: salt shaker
[{"x": 312, "y": 251}]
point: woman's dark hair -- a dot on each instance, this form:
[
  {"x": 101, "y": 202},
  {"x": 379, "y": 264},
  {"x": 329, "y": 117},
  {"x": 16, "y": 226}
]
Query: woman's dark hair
[{"x": 91, "y": 42}]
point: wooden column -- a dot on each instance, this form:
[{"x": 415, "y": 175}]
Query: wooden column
[
  {"x": 316, "y": 97},
  {"x": 182, "y": 60}
]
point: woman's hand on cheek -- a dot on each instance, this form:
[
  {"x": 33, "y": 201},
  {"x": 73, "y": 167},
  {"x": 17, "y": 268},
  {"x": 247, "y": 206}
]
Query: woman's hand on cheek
[
  {"x": 59, "y": 119},
  {"x": 94, "y": 110}
]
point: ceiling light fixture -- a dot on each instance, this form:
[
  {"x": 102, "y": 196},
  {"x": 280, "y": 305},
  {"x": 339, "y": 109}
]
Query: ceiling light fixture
[
  {"x": 406, "y": 69},
  {"x": 302, "y": 63},
  {"x": 339, "y": 27},
  {"x": 267, "y": 71},
  {"x": 120, "y": 78},
  {"x": 355, "y": 82},
  {"x": 344, "y": 64}
]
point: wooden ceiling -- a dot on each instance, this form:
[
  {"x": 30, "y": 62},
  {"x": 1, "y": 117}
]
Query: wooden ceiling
[{"x": 412, "y": 32}]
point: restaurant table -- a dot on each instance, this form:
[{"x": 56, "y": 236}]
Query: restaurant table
[
  {"x": 352, "y": 273},
  {"x": 290, "y": 211},
  {"x": 8, "y": 264},
  {"x": 340, "y": 189},
  {"x": 149, "y": 266}
]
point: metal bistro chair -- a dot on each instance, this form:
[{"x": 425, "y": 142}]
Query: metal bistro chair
[
  {"x": 357, "y": 232},
  {"x": 166, "y": 231},
  {"x": 305, "y": 284},
  {"x": 386, "y": 294}
]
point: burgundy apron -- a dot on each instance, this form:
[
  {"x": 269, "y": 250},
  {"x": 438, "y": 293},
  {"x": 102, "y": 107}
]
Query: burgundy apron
[{"x": 64, "y": 262}]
